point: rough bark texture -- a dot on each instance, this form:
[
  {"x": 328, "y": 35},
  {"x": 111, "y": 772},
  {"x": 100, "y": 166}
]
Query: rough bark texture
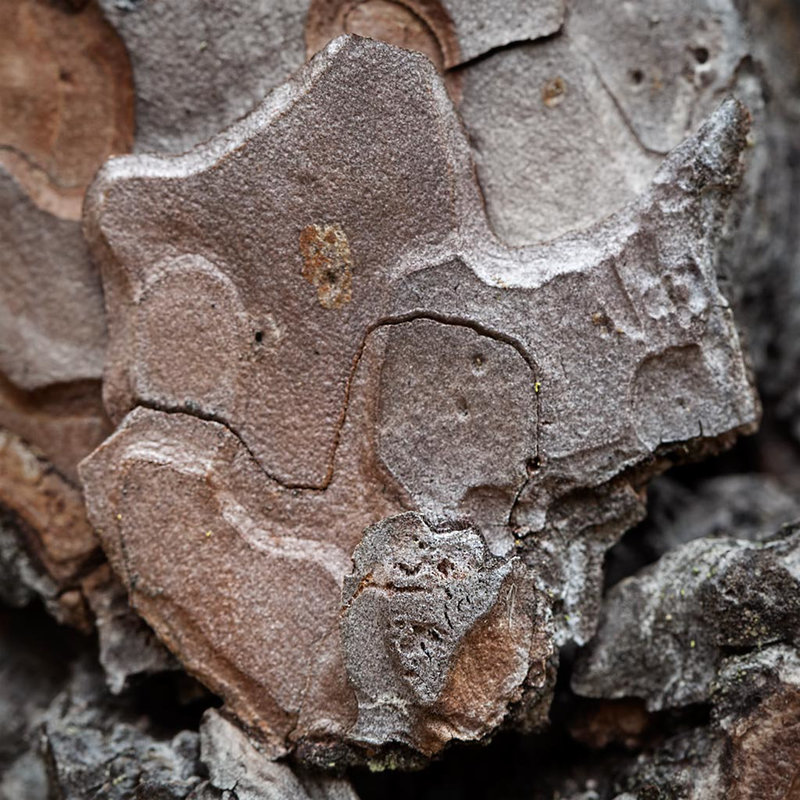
[
  {"x": 67, "y": 104},
  {"x": 367, "y": 363},
  {"x": 409, "y": 374}
]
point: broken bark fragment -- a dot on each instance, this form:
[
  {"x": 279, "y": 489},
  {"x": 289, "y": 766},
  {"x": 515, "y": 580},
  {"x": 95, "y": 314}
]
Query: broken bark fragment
[
  {"x": 757, "y": 703},
  {"x": 238, "y": 770},
  {"x": 750, "y": 750},
  {"x": 664, "y": 632},
  {"x": 128, "y": 649},
  {"x": 525, "y": 395},
  {"x": 93, "y": 746},
  {"x": 710, "y": 631}
]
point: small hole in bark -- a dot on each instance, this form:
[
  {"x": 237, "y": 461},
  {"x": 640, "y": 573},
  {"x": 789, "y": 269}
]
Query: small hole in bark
[
  {"x": 637, "y": 76},
  {"x": 444, "y": 567},
  {"x": 259, "y": 337},
  {"x": 532, "y": 464},
  {"x": 701, "y": 54}
]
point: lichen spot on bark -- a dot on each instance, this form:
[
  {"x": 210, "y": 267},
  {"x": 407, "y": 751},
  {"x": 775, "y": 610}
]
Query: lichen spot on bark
[{"x": 327, "y": 263}]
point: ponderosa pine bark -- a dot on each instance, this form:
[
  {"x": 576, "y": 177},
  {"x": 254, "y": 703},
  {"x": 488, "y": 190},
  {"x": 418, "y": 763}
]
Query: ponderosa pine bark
[{"x": 339, "y": 343}]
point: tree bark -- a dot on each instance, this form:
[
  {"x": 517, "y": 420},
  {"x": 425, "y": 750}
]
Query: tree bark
[{"x": 339, "y": 345}]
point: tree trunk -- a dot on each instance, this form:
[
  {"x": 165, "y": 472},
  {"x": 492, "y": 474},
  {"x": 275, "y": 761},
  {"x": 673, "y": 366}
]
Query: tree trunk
[{"x": 343, "y": 346}]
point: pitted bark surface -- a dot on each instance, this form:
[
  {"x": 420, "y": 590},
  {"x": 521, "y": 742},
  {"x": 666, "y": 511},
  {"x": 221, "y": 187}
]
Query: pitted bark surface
[{"x": 439, "y": 636}]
